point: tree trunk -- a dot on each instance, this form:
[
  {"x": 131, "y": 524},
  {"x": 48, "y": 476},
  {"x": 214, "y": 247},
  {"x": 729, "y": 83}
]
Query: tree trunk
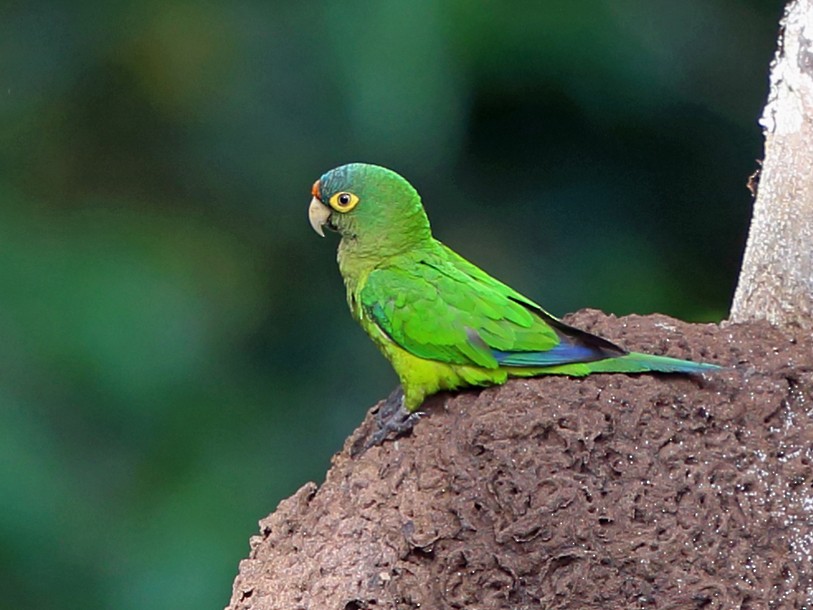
[{"x": 776, "y": 281}]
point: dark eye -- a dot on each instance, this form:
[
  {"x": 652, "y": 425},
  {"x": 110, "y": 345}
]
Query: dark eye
[{"x": 343, "y": 202}]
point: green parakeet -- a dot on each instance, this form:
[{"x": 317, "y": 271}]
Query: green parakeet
[{"x": 442, "y": 322}]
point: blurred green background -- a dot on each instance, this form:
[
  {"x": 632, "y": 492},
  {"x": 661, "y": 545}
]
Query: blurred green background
[{"x": 176, "y": 352}]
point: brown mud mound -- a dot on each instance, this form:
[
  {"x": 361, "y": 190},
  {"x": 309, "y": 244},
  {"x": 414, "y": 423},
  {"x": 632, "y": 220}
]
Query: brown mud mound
[{"x": 613, "y": 491}]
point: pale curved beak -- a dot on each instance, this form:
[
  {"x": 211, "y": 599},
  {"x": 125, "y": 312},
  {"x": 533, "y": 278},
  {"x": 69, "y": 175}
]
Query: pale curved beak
[{"x": 318, "y": 214}]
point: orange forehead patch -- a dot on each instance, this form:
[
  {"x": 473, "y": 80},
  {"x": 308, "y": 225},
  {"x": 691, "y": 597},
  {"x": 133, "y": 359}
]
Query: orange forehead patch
[{"x": 315, "y": 190}]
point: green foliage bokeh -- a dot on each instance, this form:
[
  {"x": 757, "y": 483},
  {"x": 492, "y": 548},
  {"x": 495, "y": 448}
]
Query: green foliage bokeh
[{"x": 176, "y": 352}]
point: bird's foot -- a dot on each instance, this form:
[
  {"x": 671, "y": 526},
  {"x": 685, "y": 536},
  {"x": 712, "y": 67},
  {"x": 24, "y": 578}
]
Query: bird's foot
[{"x": 391, "y": 421}]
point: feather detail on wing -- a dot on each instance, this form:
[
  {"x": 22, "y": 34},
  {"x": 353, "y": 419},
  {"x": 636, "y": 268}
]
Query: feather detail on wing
[{"x": 444, "y": 308}]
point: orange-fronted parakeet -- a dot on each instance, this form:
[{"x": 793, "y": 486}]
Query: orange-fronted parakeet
[{"x": 442, "y": 322}]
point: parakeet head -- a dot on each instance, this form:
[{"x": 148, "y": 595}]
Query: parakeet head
[{"x": 368, "y": 204}]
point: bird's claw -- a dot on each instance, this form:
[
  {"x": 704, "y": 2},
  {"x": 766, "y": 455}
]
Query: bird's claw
[
  {"x": 398, "y": 424},
  {"x": 391, "y": 407},
  {"x": 391, "y": 421}
]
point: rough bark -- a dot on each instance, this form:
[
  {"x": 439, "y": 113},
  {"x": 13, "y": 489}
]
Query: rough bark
[
  {"x": 612, "y": 491},
  {"x": 776, "y": 280}
]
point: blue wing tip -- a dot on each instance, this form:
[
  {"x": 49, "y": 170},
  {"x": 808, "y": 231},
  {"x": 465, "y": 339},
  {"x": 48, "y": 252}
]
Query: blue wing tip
[{"x": 563, "y": 353}]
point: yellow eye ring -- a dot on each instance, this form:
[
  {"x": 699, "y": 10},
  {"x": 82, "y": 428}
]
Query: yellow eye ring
[{"x": 343, "y": 202}]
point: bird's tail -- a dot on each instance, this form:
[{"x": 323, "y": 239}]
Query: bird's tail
[{"x": 635, "y": 362}]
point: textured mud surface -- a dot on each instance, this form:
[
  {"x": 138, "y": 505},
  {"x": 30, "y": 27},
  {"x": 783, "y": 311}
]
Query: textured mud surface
[{"x": 612, "y": 491}]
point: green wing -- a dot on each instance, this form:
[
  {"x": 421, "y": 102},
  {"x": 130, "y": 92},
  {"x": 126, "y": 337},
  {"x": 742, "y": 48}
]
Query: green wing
[{"x": 444, "y": 308}]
